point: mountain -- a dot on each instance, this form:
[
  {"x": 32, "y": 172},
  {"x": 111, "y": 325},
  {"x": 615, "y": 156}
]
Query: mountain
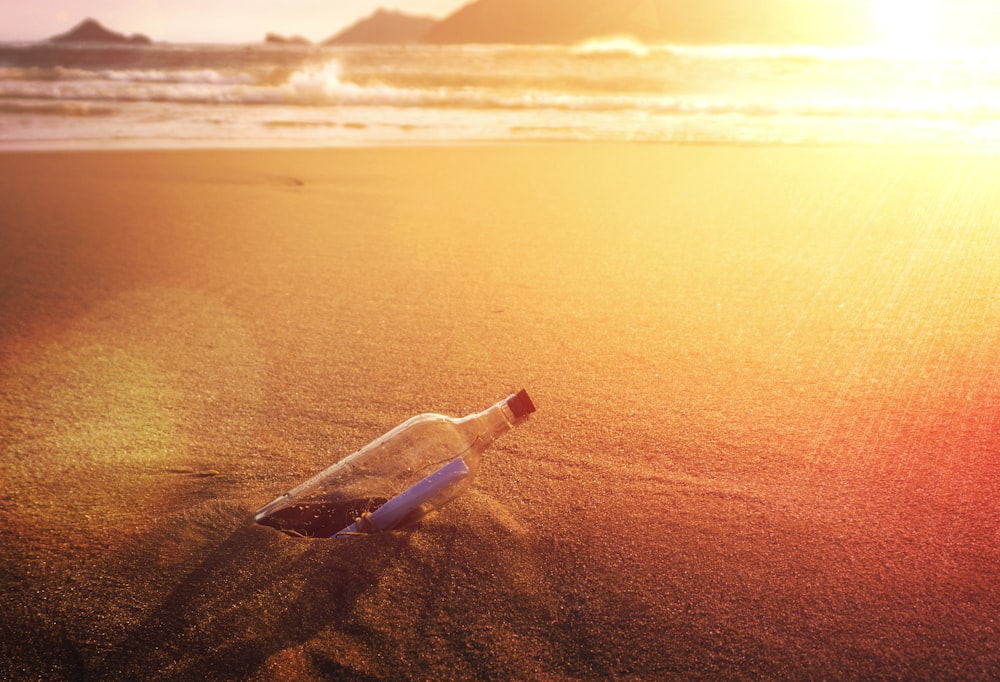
[
  {"x": 384, "y": 27},
  {"x": 91, "y": 31},
  {"x": 518, "y": 21},
  {"x": 675, "y": 21}
]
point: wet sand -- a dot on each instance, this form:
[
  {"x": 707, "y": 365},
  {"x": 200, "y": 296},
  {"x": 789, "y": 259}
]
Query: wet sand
[{"x": 766, "y": 443}]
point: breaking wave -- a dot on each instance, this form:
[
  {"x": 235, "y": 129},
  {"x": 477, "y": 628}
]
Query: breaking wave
[
  {"x": 615, "y": 46},
  {"x": 327, "y": 83}
]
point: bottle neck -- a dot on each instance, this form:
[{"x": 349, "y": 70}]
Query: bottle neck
[{"x": 492, "y": 422}]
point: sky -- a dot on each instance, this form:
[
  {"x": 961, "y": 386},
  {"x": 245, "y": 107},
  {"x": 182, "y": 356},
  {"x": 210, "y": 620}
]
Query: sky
[
  {"x": 238, "y": 21},
  {"x": 905, "y": 23}
]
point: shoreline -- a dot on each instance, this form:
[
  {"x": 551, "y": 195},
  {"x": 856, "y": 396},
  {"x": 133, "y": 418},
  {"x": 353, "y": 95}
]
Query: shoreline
[{"x": 100, "y": 146}]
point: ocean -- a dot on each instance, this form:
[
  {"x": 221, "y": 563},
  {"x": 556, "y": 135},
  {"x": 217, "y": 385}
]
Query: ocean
[{"x": 54, "y": 96}]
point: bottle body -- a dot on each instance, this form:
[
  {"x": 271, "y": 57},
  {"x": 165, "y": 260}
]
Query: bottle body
[{"x": 395, "y": 480}]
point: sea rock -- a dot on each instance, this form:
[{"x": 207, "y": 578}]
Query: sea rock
[
  {"x": 91, "y": 31},
  {"x": 278, "y": 39}
]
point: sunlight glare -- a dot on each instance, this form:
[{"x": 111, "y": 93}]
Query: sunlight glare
[{"x": 907, "y": 24}]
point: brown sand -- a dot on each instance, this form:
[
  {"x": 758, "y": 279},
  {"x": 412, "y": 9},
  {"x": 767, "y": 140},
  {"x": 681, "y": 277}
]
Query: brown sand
[{"x": 766, "y": 446}]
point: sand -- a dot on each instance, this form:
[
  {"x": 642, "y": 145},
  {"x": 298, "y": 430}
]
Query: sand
[{"x": 766, "y": 443}]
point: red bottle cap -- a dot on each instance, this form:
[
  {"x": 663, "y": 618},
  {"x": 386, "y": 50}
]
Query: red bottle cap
[{"x": 520, "y": 404}]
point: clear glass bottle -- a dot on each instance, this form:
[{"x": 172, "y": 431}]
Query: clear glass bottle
[{"x": 397, "y": 479}]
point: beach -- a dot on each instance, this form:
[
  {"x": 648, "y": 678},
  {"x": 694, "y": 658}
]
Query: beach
[{"x": 765, "y": 446}]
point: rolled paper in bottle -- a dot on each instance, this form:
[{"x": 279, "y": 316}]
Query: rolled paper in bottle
[{"x": 392, "y": 512}]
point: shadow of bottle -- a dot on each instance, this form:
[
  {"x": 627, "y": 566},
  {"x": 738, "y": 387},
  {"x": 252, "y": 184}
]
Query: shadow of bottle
[{"x": 255, "y": 593}]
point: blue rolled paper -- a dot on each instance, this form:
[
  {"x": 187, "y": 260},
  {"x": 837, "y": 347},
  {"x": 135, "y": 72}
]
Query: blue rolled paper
[{"x": 392, "y": 512}]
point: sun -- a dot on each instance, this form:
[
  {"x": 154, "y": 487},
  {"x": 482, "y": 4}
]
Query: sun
[{"x": 908, "y": 24}]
